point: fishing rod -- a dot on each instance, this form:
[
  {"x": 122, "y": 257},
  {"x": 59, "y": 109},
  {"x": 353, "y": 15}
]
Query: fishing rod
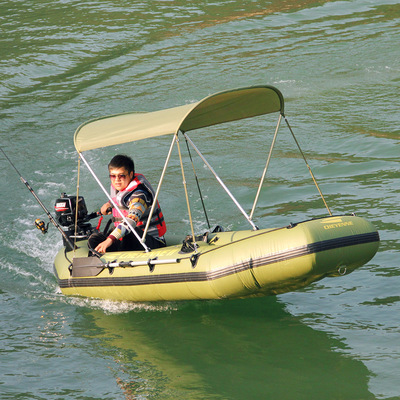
[{"x": 40, "y": 224}]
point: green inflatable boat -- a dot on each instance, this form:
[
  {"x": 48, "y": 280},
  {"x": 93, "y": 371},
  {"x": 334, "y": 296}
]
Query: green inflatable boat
[{"x": 217, "y": 264}]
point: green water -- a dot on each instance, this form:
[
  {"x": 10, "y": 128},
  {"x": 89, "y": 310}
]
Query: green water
[{"x": 337, "y": 65}]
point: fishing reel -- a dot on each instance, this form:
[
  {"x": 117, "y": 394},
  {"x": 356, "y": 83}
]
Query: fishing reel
[{"x": 41, "y": 226}]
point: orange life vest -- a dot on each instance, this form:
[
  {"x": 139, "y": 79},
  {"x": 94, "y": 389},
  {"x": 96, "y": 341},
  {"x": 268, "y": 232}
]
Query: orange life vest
[{"x": 157, "y": 225}]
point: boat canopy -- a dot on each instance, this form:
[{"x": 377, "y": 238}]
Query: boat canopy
[{"x": 218, "y": 108}]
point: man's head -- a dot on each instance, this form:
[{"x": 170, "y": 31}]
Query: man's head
[
  {"x": 122, "y": 170},
  {"x": 122, "y": 161}
]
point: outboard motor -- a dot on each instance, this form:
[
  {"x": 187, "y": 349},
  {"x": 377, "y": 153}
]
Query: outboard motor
[{"x": 66, "y": 211}]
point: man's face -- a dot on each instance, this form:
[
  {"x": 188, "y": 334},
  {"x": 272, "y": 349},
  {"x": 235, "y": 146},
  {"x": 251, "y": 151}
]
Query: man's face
[{"x": 120, "y": 178}]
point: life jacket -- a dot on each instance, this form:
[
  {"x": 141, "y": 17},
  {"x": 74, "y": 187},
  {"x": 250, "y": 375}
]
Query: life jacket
[{"x": 157, "y": 225}]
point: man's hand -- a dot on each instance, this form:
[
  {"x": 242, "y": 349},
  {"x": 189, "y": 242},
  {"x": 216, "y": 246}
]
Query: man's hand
[
  {"x": 106, "y": 208},
  {"x": 103, "y": 246}
]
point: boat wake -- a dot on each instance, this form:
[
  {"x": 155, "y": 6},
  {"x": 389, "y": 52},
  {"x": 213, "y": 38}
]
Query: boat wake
[{"x": 117, "y": 307}]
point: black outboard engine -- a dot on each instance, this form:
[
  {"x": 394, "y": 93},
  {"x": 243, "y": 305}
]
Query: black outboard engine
[{"x": 66, "y": 212}]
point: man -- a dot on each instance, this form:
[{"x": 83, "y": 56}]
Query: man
[{"x": 134, "y": 196}]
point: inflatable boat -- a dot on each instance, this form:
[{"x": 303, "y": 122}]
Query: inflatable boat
[{"x": 215, "y": 264}]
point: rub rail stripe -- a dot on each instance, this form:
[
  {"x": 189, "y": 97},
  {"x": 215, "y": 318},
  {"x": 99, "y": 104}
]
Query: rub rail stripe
[{"x": 223, "y": 272}]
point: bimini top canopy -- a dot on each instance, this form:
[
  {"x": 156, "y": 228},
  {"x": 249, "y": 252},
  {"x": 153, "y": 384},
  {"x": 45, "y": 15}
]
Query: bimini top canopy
[{"x": 218, "y": 108}]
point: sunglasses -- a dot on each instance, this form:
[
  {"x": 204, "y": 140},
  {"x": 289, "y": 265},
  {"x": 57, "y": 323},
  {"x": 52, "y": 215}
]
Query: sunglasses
[{"x": 119, "y": 176}]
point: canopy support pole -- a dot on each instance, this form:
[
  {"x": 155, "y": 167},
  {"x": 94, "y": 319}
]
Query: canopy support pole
[
  {"x": 198, "y": 184},
  {"x": 186, "y": 194},
  {"x": 77, "y": 200},
  {"x": 266, "y": 167},
  {"x": 159, "y": 185},
  {"x": 309, "y": 168},
  {"x": 147, "y": 249},
  {"x": 221, "y": 183}
]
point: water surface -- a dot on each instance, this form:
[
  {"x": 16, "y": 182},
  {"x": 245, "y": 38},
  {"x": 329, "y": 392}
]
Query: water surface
[{"x": 336, "y": 63}]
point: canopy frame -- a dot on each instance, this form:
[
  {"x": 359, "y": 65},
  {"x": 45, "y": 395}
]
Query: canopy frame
[
  {"x": 266, "y": 167},
  {"x": 220, "y": 181},
  {"x": 180, "y": 120},
  {"x": 222, "y": 107}
]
